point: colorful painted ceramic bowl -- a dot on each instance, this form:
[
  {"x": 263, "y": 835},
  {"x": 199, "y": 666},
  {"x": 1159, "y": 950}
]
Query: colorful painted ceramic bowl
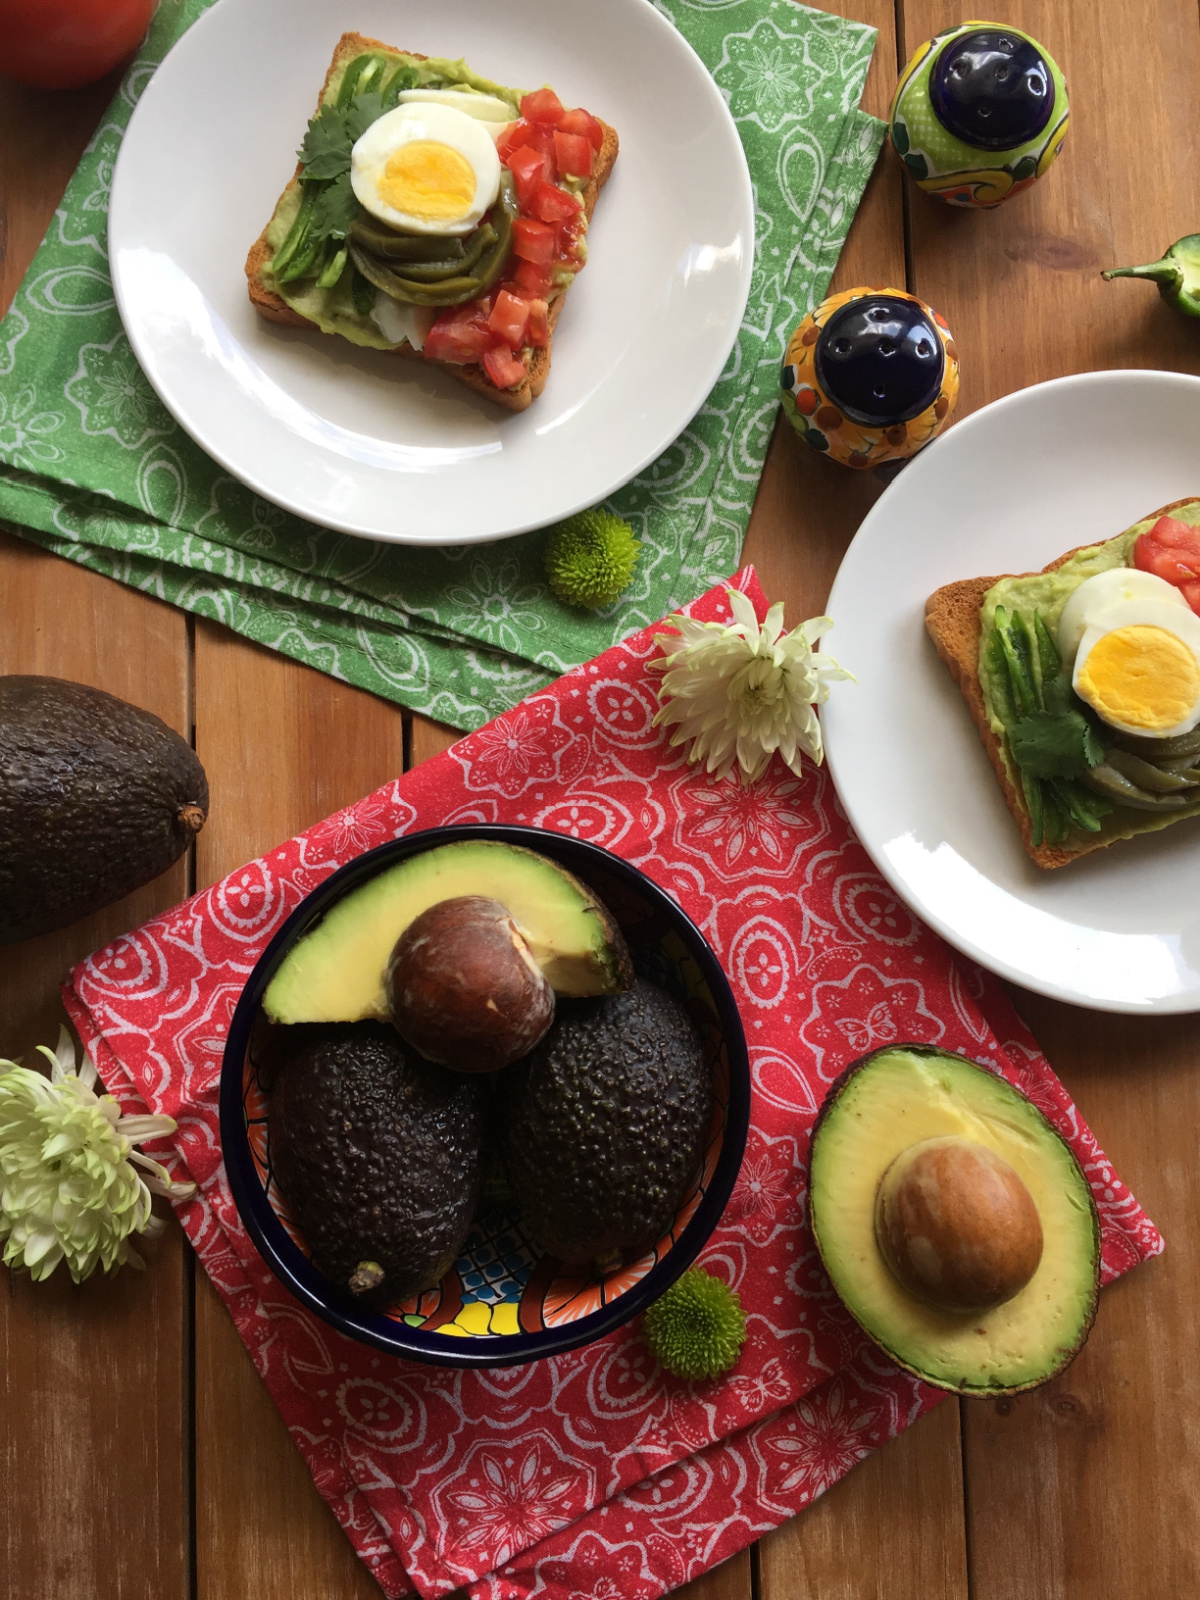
[
  {"x": 502, "y": 1302},
  {"x": 870, "y": 376},
  {"x": 979, "y": 114}
]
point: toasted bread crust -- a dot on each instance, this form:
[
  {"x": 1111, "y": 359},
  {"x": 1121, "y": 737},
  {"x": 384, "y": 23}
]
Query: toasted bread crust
[
  {"x": 274, "y": 308},
  {"x": 953, "y": 620}
]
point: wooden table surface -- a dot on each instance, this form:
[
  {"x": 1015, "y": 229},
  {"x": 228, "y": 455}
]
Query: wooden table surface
[{"x": 140, "y": 1456}]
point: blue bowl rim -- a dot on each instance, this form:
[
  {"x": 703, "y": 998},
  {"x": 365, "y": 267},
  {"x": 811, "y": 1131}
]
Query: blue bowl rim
[{"x": 293, "y": 1268}]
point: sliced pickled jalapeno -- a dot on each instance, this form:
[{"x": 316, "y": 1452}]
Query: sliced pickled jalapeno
[
  {"x": 1145, "y": 774},
  {"x": 1116, "y": 786},
  {"x": 364, "y": 72}
]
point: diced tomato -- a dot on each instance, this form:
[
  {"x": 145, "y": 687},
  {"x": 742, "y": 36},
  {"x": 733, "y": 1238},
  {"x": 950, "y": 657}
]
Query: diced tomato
[
  {"x": 543, "y": 105},
  {"x": 503, "y": 368},
  {"x": 534, "y": 241},
  {"x": 1171, "y": 550},
  {"x": 532, "y": 277},
  {"x": 573, "y": 155},
  {"x": 528, "y": 167},
  {"x": 585, "y": 124},
  {"x": 509, "y": 319},
  {"x": 538, "y": 330},
  {"x": 512, "y": 136},
  {"x": 551, "y": 203},
  {"x": 461, "y": 333}
]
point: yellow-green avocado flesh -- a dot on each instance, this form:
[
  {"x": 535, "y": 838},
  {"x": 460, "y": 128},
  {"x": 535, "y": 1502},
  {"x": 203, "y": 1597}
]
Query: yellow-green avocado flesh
[
  {"x": 336, "y": 971},
  {"x": 880, "y": 1106},
  {"x": 1048, "y": 592}
]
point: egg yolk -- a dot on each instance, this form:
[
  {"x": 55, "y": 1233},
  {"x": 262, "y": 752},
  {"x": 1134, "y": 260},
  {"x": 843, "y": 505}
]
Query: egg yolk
[
  {"x": 1141, "y": 677},
  {"x": 428, "y": 180}
]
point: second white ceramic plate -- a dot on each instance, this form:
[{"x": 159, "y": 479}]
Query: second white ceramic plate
[
  {"x": 1007, "y": 490},
  {"x": 358, "y": 439}
]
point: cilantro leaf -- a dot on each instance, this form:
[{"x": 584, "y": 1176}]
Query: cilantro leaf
[
  {"x": 335, "y": 209},
  {"x": 362, "y": 111},
  {"x": 1054, "y": 744},
  {"x": 325, "y": 152}
]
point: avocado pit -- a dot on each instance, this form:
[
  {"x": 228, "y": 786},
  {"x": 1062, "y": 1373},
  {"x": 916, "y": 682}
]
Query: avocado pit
[
  {"x": 956, "y": 1225},
  {"x": 464, "y": 987}
]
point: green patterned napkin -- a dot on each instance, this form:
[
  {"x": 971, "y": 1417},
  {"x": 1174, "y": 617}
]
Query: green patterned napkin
[{"x": 94, "y": 468}]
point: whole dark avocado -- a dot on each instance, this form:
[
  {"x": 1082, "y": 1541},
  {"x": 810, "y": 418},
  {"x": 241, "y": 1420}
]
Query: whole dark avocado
[
  {"x": 603, "y": 1125},
  {"x": 96, "y": 798},
  {"x": 379, "y": 1155}
]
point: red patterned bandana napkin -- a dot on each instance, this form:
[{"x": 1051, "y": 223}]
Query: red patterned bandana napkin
[{"x": 566, "y": 1477}]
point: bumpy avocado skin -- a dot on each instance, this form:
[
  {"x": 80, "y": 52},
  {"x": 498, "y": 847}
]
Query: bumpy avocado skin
[
  {"x": 96, "y": 798},
  {"x": 603, "y": 1125},
  {"x": 379, "y": 1154}
]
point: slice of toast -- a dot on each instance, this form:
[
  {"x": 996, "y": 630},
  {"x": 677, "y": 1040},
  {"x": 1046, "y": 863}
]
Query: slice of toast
[
  {"x": 953, "y": 618},
  {"x": 274, "y": 308}
]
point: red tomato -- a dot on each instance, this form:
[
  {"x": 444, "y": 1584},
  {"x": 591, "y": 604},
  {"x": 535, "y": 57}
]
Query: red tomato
[
  {"x": 538, "y": 331},
  {"x": 532, "y": 277},
  {"x": 543, "y": 105},
  {"x": 534, "y": 241},
  {"x": 503, "y": 368},
  {"x": 511, "y": 137},
  {"x": 461, "y": 334},
  {"x": 509, "y": 319},
  {"x": 63, "y": 44},
  {"x": 585, "y": 124},
  {"x": 528, "y": 167},
  {"x": 1171, "y": 550},
  {"x": 573, "y": 155},
  {"x": 550, "y": 203}
]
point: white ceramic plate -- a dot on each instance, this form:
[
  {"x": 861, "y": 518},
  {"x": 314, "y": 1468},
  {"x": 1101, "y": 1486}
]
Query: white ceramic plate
[
  {"x": 360, "y": 440},
  {"x": 1007, "y": 490}
]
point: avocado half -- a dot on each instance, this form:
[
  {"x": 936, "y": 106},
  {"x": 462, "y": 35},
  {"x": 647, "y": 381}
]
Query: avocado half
[
  {"x": 894, "y": 1098},
  {"x": 337, "y": 971}
]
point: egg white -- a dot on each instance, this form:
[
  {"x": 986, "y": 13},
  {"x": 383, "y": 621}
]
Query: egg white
[
  {"x": 495, "y": 114},
  {"x": 1094, "y": 601},
  {"x": 440, "y": 125},
  {"x": 1181, "y": 621}
]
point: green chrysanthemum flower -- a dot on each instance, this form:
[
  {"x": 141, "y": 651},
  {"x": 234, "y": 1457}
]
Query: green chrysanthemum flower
[
  {"x": 68, "y": 1189},
  {"x": 590, "y": 558},
  {"x": 697, "y": 1329}
]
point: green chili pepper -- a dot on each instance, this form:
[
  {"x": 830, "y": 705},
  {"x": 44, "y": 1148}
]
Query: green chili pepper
[
  {"x": 1177, "y": 275},
  {"x": 403, "y": 78},
  {"x": 392, "y": 246},
  {"x": 362, "y": 293},
  {"x": 1035, "y": 805},
  {"x": 998, "y": 679},
  {"x": 449, "y": 292},
  {"x": 359, "y": 76},
  {"x": 333, "y": 269},
  {"x": 1015, "y": 642},
  {"x": 296, "y": 234}
]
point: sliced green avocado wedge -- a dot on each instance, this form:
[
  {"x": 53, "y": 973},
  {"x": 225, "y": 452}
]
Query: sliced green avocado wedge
[
  {"x": 336, "y": 972},
  {"x": 891, "y": 1100}
]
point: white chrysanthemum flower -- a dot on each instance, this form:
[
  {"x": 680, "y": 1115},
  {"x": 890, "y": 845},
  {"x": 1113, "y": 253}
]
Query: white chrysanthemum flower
[
  {"x": 739, "y": 691},
  {"x": 69, "y": 1185}
]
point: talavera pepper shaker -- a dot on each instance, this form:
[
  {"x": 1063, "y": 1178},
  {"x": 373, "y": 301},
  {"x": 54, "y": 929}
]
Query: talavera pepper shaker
[
  {"x": 871, "y": 375},
  {"x": 979, "y": 114}
]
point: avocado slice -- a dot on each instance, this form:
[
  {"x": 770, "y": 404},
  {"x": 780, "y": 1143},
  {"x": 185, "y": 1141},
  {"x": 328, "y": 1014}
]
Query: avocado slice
[
  {"x": 603, "y": 1125},
  {"x": 379, "y": 1155},
  {"x": 881, "y": 1106},
  {"x": 337, "y": 971}
]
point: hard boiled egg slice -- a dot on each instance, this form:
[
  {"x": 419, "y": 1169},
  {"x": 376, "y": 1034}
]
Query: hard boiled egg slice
[
  {"x": 495, "y": 114},
  {"x": 1139, "y": 670},
  {"x": 426, "y": 169},
  {"x": 1094, "y": 600}
]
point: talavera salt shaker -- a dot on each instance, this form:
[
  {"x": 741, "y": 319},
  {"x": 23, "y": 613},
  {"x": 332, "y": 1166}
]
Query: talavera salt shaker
[
  {"x": 870, "y": 376},
  {"x": 979, "y": 114}
]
